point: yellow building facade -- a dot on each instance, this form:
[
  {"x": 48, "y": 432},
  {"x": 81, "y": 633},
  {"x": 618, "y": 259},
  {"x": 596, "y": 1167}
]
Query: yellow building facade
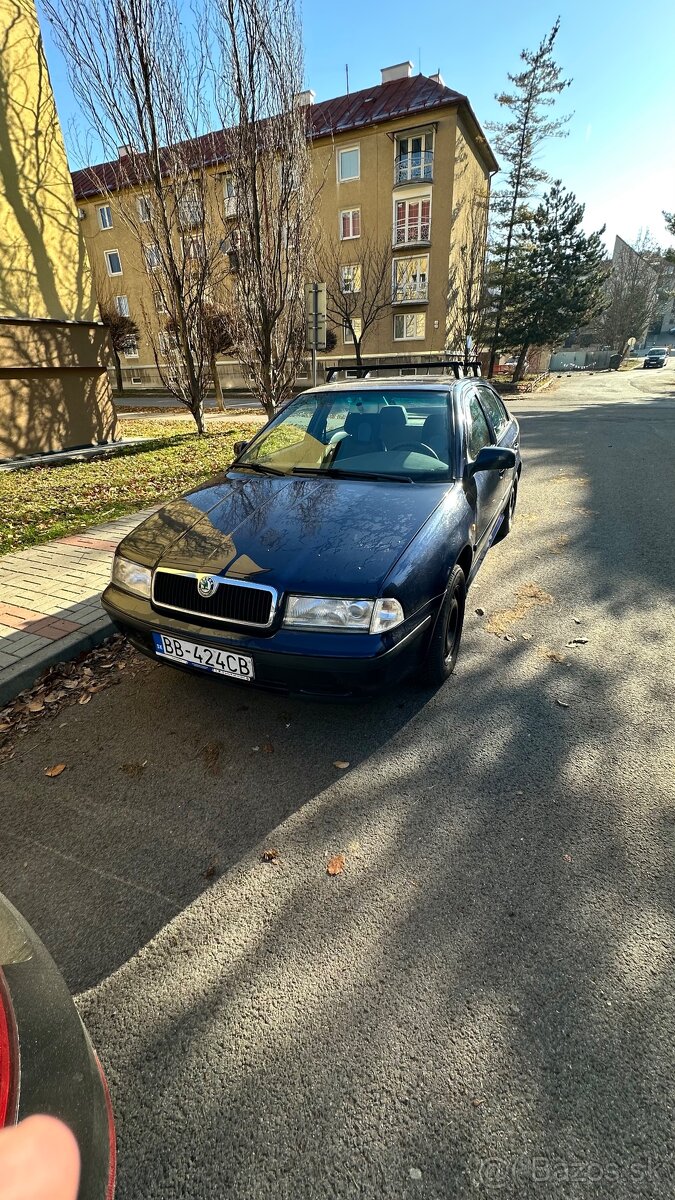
[
  {"x": 54, "y": 390},
  {"x": 394, "y": 165}
]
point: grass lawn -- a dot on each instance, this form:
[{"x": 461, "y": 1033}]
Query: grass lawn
[{"x": 47, "y": 502}]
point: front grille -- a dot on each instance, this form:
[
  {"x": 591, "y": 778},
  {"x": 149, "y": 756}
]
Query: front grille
[{"x": 234, "y": 602}]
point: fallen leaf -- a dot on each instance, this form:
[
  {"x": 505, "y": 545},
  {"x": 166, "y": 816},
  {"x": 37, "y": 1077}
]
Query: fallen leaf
[
  {"x": 576, "y": 620},
  {"x": 480, "y": 612},
  {"x": 341, "y": 765},
  {"x": 562, "y": 703},
  {"x": 211, "y": 754},
  {"x": 134, "y": 769},
  {"x": 578, "y": 642},
  {"x": 71, "y": 684},
  {"x": 268, "y": 748},
  {"x": 35, "y": 706},
  {"x": 553, "y": 656},
  {"x": 270, "y": 855},
  {"x": 477, "y": 1102},
  {"x": 336, "y": 865},
  {"x": 4, "y": 726},
  {"x": 52, "y": 772},
  {"x": 211, "y": 870},
  {"x": 527, "y": 637},
  {"x": 84, "y": 699},
  {"x": 567, "y": 858}
]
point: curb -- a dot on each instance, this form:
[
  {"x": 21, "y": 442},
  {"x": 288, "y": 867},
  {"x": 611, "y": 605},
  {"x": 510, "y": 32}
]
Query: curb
[{"x": 16, "y": 679}]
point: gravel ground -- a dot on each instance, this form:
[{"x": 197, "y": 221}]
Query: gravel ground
[{"x": 481, "y": 1002}]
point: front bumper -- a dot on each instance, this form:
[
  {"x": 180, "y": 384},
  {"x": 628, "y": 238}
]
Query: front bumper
[{"x": 303, "y": 662}]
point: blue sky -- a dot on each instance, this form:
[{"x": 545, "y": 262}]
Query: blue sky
[{"x": 619, "y": 156}]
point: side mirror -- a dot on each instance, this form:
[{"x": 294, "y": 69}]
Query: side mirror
[
  {"x": 239, "y": 448},
  {"x": 492, "y": 458}
]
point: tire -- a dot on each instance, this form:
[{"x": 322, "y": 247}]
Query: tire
[
  {"x": 441, "y": 655},
  {"x": 509, "y": 515}
]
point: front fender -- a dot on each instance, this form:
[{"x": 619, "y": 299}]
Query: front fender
[{"x": 420, "y": 576}]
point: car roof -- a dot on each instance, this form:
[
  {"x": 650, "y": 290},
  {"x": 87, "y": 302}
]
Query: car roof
[{"x": 389, "y": 382}]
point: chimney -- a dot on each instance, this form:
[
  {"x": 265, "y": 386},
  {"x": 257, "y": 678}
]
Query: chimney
[
  {"x": 438, "y": 78},
  {"x": 304, "y": 98},
  {"x": 398, "y": 71},
  {"x": 125, "y": 151}
]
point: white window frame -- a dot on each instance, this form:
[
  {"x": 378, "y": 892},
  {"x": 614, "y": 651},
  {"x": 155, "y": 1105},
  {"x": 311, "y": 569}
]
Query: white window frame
[
  {"x": 159, "y": 303},
  {"x": 351, "y": 290},
  {"x": 107, "y": 254},
  {"x": 100, "y": 210},
  {"x": 144, "y": 209},
  {"x": 148, "y": 247},
  {"x": 348, "y": 150},
  {"x": 132, "y": 353},
  {"x": 347, "y": 339},
  {"x": 122, "y": 308},
  {"x": 350, "y": 236},
  {"x": 229, "y": 194},
  {"x": 409, "y": 299},
  {"x": 191, "y": 207},
  {"x": 417, "y": 317},
  {"x": 419, "y": 198},
  {"x": 406, "y": 135}
]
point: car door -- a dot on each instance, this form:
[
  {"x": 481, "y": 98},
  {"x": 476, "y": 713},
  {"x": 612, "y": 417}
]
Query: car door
[
  {"x": 505, "y": 432},
  {"x": 484, "y": 489}
]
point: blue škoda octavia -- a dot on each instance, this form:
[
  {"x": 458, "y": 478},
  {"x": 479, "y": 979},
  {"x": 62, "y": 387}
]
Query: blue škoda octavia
[{"x": 333, "y": 556}]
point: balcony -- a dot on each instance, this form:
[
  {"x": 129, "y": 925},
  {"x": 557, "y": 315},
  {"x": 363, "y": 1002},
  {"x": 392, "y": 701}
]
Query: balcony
[
  {"x": 410, "y": 293},
  {"x": 415, "y": 167},
  {"x": 412, "y": 233}
]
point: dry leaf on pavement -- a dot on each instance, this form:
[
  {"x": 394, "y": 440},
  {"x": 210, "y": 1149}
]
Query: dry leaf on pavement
[
  {"x": 268, "y": 748},
  {"x": 270, "y": 856},
  {"x": 562, "y": 703},
  {"x": 341, "y": 765},
  {"x": 336, "y": 865},
  {"x": 52, "y": 772},
  {"x": 567, "y": 858},
  {"x": 35, "y": 706}
]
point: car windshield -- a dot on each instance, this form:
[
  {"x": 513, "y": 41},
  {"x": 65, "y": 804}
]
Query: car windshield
[
  {"x": 657, "y": 350},
  {"x": 400, "y": 434}
]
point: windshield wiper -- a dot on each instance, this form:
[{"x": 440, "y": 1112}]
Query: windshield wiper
[
  {"x": 264, "y": 470},
  {"x": 338, "y": 473}
]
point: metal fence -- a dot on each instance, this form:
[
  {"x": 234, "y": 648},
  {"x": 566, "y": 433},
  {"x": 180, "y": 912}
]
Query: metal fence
[{"x": 580, "y": 360}]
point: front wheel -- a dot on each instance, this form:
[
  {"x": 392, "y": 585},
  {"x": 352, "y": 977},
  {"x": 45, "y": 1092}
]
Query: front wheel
[{"x": 444, "y": 645}]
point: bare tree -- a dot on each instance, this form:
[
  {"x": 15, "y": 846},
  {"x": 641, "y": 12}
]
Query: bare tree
[
  {"x": 358, "y": 295},
  {"x": 466, "y": 280},
  {"x": 143, "y": 87},
  {"x": 631, "y": 295},
  {"x": 260, "y": 69},
  {"x": 123, "y": 334}
]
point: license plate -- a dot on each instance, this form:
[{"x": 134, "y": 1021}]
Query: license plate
[{"x": 191, "y": 654}]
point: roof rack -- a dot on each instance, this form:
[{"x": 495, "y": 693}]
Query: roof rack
[{"x": 459, "y": 368}]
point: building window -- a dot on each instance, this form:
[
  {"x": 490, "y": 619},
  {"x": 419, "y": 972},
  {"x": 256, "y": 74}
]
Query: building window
[
  {"x": 409, "y": 327},
  {"x": 411, "y": 279},
  {"x": 105, "y": 217},
  {"x": 413, "y": 221},
  {"x": 152, "y": 257},
  {"x": 349, "y": 164},
  {"x": 160, "y": 303},
  {"x": 144, "y": 209},
  {"x": 347, "y": 336},
  {"x": 190, "y": 208},
  {"x": 350, "y": 278},
  {"x": 122, "y": 305},
  {"x": 113, "y": 262},
  {"x": 229, "y": 195},
  {"x": 414, "y": 157},
  {"x": 193, "y": 249},
  {"x": 350, "y": 223},
  {"x": 131, "y": 348},
  {"x": 168, "y": 344}
]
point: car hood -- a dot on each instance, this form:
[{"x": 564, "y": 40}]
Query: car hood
[{"x": 308, "y": 535}]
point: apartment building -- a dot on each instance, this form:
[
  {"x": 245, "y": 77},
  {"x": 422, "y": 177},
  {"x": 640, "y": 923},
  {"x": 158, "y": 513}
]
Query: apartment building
[{"x": 397, "y": 162}]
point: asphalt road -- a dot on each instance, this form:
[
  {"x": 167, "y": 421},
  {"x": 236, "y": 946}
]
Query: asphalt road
[{"x": 482, "y": 1003}]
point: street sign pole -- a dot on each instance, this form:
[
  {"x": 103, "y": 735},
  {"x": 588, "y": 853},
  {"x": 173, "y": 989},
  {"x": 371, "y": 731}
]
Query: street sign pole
[
  {"x": 315, "y": 310},
  {"x": 315, "y": 339}
]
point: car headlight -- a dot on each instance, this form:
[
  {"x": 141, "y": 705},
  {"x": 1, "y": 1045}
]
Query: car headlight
[
  {"x": 338, "y": 613},
  {"x": 131, "y": 576}
]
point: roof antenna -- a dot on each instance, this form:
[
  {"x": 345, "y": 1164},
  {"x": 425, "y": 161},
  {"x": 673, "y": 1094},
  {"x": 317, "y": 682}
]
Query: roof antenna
[
  {"x": 347, "y": 74},
  {"x": 419, "y": 58}
]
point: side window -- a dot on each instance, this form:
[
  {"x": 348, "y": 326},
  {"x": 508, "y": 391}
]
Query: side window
[
  {"x": 477, "y": 433},
  {"x": 494, "y": 408}
]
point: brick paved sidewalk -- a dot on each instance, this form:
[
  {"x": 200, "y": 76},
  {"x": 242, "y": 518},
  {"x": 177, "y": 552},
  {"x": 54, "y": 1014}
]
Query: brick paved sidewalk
[{"x": 49, "y": 601}]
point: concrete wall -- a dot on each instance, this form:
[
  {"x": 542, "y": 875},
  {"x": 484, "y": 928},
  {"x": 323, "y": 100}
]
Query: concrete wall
[{"x": 53, "y": 386}]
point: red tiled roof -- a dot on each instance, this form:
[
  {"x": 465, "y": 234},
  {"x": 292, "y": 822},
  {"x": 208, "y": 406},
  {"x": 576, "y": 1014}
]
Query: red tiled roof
[{"x": 370, "y": 106}]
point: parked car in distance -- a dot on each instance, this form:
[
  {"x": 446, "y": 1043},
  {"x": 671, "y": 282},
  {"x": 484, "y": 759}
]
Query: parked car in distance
[
  {"x": 47, "y": 1062},
  {"x": 333, "y": 556},
  {"x": 656, "y": 357}
]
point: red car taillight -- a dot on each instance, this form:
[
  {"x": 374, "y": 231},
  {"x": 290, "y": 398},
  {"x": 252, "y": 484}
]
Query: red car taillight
[{"x": 8, "y": 1057}]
